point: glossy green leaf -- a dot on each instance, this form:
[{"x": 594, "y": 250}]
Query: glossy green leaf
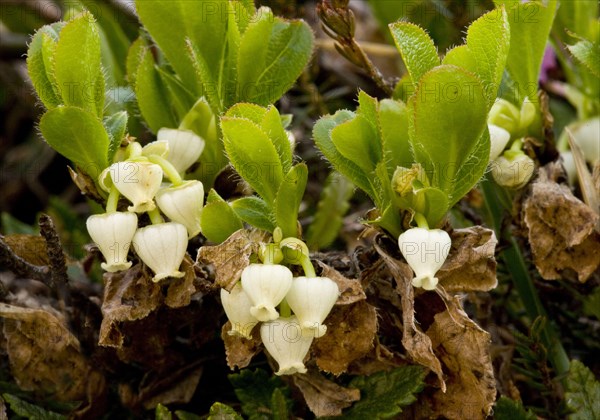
[
  {"x": 447, "y": 116},
  {"x": 322, "y": 134},
  {"x": 329, "y": 218},
  {"x": 253, "y": 156},
  {"x": 588, "y": 53},
  {"x": 77, "y": 65},
  {"x": 416, "y": 48},
  {"x": 393, "y": 124},
  {"x": 79, "y": 136},
  {"x": 384, "y": 394},
  {"x": 38, "y": 59},
  {"x": 583, "y": 392},
  {"x": 507, "y": 409},
  {"x": 255, "y": 212},
  {"x": 151, "y": 93},
  {"x": 219, "y": 220},
  {"x": 220, "y": 411},
  {"x": 116, "y": 127},
  {"x": 272, "y": 55},
  {"x": 289, "y": 198}
]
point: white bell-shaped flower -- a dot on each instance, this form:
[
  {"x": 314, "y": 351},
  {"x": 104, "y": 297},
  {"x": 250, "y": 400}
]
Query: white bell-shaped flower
[
  {"x": 113, "y": 232},
  {"x": 311, "y": 299},
  {"x": 237, "y": 308},
  {"x": 183, "y": 204},
  {"x": 512, "y": 169},
  {"x": 499, "y": 138},
  {"x": 587, "y": 136},
  {"x": 139, "y": 181},
  {"x": 162, "y": 248},
  {"x": 287, "y": 344},
  {"x": 266, "y": 286},
  {"x": 425, "y": 251},
  {"x": 185, "y": 147}
]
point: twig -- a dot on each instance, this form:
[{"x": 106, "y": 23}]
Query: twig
[
  {"x": 20, "y": 267},
  {"x": 58, "y": 273},
  {"x": 372, "y": 48}
]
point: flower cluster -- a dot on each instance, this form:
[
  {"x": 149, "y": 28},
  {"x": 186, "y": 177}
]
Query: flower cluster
[
  {"x": 138, "y": 175},
  {"x": 266, "y": 286}
]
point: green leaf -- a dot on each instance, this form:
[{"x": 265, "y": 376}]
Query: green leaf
[
  {"x": 582, "y": 393},
  {"x": 77, "y": 65},
  {"x": 77, "y": 135},
  {"x": 116, "y": 127},
  {"x": 184, "y": 415},
  {"x": 253, "y": 156},
  {"x": 254, "y": 211},
  {"x": 151, "y": 93},
  {"x": 273, "y": 126},
  {"x": 181, "y": 98},
  {"x": 393, "y": 124},
  {"x": 252, "y": 112},
  {"x": 289, "y": 198},
  {"x": 39, "y": 55},
  {"x": 279, "y": 405},
  {"x": 220, "y": 411},
  {"x": 255, "y": 391},
  {"x": 358, "y": 141},
  {"x": 162, "y": 413},
  {"x": 333, "y": 205},
  {"x": 588, "y": 53},
  {"x": 219, "y": 220},
  {"x": 591, "y": 303},
  {"x": 273, "y": 54},
  {"x": 135, "y": 55},
  {"x": 529, "y": 21},
  {"x": 416, "y": 48},
  {"x": 447, "y": 116},
  {"x": 430, "y": 202},
  {"x": 461, "y": 56},
  {"x": 384, "y": 394},
  {"x": 507, "y": 409},
  {"x": 322, "y": 134},
  {"x": 30, "y": 411}
]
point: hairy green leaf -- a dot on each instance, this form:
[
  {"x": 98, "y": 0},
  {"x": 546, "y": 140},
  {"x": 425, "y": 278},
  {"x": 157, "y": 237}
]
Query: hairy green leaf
[
  {"x": 116, "y": 127},
  {"x": 507, "y": 409},
  {"x": 254, "y": 211},
  {"x": 220, "y": 411},
  {"x": 40, "y": 64},
  {"x": 30, "y": 411},
  {"x": 416, "y": 48},
  {"x": 358, "y": 141},
  {"x": 583, "y": 392},
  {"x": 588, "y": 53},
  {"x": 136, "y": 53},
  {"x": 255, "y": 390},
  {"x": 289, "y": 198},
  {"x": 273, "y": 126},
  {"x": 393, "y": 124},
  {"x": 219, "y": 220}
]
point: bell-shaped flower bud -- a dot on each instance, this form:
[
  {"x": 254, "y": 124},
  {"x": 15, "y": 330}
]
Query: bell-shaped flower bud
[
  {"x": 266, "y": 285},
  {"x": 183, "y": 204},
  {"x": 512, "y": 169},
  {"x": 162, "y": 248},
  {"x": 311, "y": 299},
  {"x": 499, "y": 138},
  {"x": 185, "y": 147},
  {"x": 568, "y": 162},
  {"x": 587, "y": 136},
  {"x": 158, "y": 148},
  {"x": 425, "y": 252},
  {"x": 113, "y": 232},
  {"x": 504, "y": 114},
  {"x": 138, "y": 181},
  {"x": 286, "y": 343},
  {"x": 237, "y": 308}
]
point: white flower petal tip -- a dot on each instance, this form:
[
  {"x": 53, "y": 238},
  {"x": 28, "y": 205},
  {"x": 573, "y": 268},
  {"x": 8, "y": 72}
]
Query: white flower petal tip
[
  {"x": 138, "y": 182},
  {"x": 183, "y": 204},
  {"x": 113, "y": 232},
  {"x": 287, "y": 344},
  {"x": 185, "y": 147},
  {"x": 512, "y": 170},
  {"x": 237, "y": 308},
  {"x": 425, "y": 252},
  {"x": 311, "y": 299},
  {"x": 499, "y": 138},
  {"x": 159, "y": 148},
  {"x": 162, "y": 248},
  {"x": 266, "y": 285}
]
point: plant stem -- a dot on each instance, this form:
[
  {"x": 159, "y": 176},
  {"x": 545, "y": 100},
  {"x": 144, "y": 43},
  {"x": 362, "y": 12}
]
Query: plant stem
[
  {"x": 113, "y": 200},
  {"x": 284, "y": 309},
  {"x": 515, "y": 263},
  {"x": 155, "y": 216},
  {"x": 309, "y": 270},
  {"x": 168, "y": 169},
  {"x": 421, "y": 221}
]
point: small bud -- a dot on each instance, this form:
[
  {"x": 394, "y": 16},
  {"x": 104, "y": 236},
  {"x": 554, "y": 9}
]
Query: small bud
[
  {"x": 138, "y": 181},
  {"x": 185, "y": 147},
  {"x": 512, "y": 169},
  {"x": 112, "y": 232},
  {"x": 162, "y": 248},
  {"x": 311, "y": 299},
  {"x": 183, "y": 204},
  {"x": 285, "y": 342},
  {"x": 266, "y": 285},
  {"x": 506, "y": 115},
  {"x": 237, "y": 307},
  {"x": 499, "y": 138},
  {"x": 405, "y": 181},
  {"x": 158, "y": 148},
  {"x": 425, "y": 252},
  {"x": 587, "y": 136}
]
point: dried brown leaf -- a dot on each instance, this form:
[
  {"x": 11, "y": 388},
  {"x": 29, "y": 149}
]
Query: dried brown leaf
[
  {"x": 32, "y": 248},
  {"x": 351, "y": 291},
  {"x": 128, "y": 296},
  {"x": 350, "y": 334},
  {"x": 561, "y": 229},
  {"x": 181, "y": 290},
  {"x": 239, "y": 351},
  {"x": 46, "y": 358},
  {"x": 470, "y": 266},
  {"x": 232, "y": 256},
  {"x": 324, "y": 397}
]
